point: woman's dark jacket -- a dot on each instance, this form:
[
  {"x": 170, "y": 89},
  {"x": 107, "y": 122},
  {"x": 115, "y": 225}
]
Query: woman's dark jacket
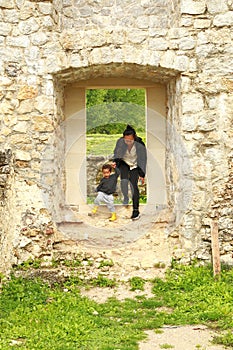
[{"x": 121, "y": 148}]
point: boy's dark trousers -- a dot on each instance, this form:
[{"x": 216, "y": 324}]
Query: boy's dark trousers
[{"x": 131, "y": 176}]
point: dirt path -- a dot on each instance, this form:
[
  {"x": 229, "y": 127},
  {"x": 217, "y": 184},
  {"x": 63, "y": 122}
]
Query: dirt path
[{"x": 196, "y": 337}]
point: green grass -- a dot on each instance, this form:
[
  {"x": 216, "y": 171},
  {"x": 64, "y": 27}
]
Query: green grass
[
  {"x": 34, "y": 315},
  {"x": 102, "y": 144},
  {"x": 166, "y": 346},
  {"x": 137, "y": 283}
]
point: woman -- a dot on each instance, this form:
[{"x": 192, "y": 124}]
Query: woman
[{"x": 130, "y": 157}]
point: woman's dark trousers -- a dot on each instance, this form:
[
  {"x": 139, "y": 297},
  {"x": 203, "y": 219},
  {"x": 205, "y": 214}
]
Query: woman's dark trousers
[{"x": 129, "y": 176}]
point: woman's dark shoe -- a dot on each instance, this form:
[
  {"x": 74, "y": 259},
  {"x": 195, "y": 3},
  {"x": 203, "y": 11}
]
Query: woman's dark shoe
[{"x": 135, "y": 215}]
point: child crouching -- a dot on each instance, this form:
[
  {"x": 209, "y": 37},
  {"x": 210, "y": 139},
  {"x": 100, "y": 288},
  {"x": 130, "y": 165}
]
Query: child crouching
[{"x": 105, "y": 189}]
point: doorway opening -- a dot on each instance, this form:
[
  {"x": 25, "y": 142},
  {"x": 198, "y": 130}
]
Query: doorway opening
[
  {"x": 76, "y": 112},
  {"x": 108, "y": 111}
]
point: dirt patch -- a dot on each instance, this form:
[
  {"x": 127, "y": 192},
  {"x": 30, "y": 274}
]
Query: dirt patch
[
  {"x": 100, "y": 295},
  {"x": 180, "y": 338}
]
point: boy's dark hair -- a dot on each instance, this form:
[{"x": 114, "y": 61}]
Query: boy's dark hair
[
  {"x": 107, "y": 166},
  {"x": 129, "y": 131}
]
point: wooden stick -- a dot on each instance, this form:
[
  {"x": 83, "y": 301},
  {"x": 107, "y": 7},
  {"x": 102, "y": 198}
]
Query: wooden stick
[{"x": 215, "y": 248}]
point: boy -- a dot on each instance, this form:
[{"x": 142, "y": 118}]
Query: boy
[{"x": 105, "y": 189}]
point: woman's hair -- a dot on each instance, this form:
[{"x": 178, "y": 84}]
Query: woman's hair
[{"x": 129, "y": 131}]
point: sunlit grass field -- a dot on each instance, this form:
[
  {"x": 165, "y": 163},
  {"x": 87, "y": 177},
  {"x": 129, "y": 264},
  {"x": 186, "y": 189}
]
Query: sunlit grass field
[{"x": 100, "y": 144}]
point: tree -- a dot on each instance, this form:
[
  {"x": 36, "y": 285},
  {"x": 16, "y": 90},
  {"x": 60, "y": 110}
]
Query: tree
[{"x": 110, "y": 110}]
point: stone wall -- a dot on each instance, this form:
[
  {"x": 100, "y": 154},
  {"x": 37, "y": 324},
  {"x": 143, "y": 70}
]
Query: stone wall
[
  {"x": 186, "y": 45},
  {"x": 6, "y": 206}
]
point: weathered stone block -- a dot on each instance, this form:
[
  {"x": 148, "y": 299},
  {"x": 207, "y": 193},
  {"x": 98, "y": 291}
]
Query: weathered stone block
[
  {"x": 42, "y": 124},
  {"x": 6, "y": 107},
  {"x": 11, "y": 16},
  {"x": 187, "y": 43},
  {"x": 21, "y": 126},
  {"x": 48, "y": 22},
  {"x": 189, "y": 123},
  {"x": 26, "y": 10},
  {"x": 44, "y": 104},
  {"x": 216, "y": 6},
  {"x": 158, "y": 44},
  {"x": 5, "y": 81},
  {"x": 8, "y": 4},
  {"x": 22, "y": 155},
  {"x": 20, "y": 41},
  {"x": 142, "y": 22},
  {"x": 46, "y": 8},
  {"x": 225, "y": 19},
  {"x": 40, "y": 38},
  {"x": 20, "y": 139},
  {"x": 27, "y": 92},
  {"x": 26, "y": 106},
  {"x": 193, "y": 7},
  {"x": 181, "y": 63},
  {"x": 137, "y": 37},
  {"x": 200, "y": 23},
  {"x": 192, "y": 103},
  {"x": 5, "y": 28},
  {"x": 29, "y": 26},
  {"x": 167, "y": 59}
]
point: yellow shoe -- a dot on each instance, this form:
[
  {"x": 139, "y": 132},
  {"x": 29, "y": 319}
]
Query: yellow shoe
[
  {"x": 94, "y": 210},
  {"x": 113, "y": 217}
]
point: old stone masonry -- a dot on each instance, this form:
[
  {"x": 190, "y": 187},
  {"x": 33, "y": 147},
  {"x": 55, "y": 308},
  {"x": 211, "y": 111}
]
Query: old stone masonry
[{"x": 181, "y": 53}]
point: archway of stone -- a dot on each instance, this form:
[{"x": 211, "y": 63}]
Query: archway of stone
[{"x": 74, "y": 208}]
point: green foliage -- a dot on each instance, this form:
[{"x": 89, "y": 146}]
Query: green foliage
[
  {"x": 195, "y": 296},
  {"x": 137, "y": 283},
  {"x": 73, "y": 281},
  {"x": 35, "y": 316},
  {"x": 2, "y": 277},
  {"x": 110, "y": 110},
  {"x": 72, "y": 263},
  {"x": 21, "y": 294},
  {"x": 30, "y": 263},
  {"x": 225, "y": 339},
  {"x": 166, "y": 346},
  {"x": 102, "y": 281},
  {"x": 105, "y": 263}
]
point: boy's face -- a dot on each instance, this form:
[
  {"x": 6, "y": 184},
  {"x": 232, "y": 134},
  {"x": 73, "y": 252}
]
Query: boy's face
[{"x": 106, "y": 173}]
